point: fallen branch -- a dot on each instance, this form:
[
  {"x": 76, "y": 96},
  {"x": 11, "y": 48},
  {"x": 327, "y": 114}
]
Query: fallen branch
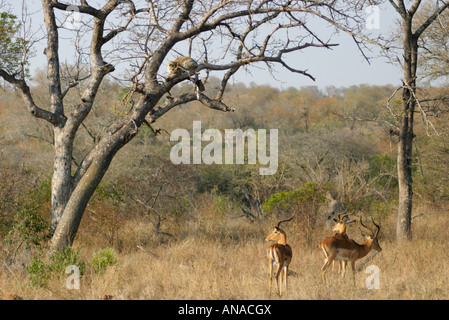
[
  {"x": 366, "y": 261},
  {"x": 417, "y": 215},
  {"x": 147, "y": 251}
]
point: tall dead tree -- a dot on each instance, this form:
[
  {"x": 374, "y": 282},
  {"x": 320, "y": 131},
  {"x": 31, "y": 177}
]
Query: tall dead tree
[
  {"x": 411, "y": 34},
  {"x": 221, "y": 35}
]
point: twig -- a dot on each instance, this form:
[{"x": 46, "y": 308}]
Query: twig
[{"x": 423, "y": 113}]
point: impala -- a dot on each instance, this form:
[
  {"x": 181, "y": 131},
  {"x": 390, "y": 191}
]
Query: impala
[
  {"x": 280, "y": 254},
  {"x": 345, "y": 249},
  {"x": 339, "y": 230},
  {"x": 341, "y": 225}
]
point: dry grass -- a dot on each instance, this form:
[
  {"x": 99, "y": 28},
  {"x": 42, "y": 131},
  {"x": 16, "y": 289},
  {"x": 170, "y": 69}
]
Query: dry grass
[{"x": 219, "y": 257}]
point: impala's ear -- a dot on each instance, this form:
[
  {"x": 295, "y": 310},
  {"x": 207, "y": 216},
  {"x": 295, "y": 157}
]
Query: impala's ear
[{"x": 335, "y": 220}]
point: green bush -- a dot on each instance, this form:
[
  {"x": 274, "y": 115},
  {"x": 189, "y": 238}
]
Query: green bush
[
  {"x": 214, "y": 177},
  {"x": 29, "y": 226},
  {"x": 309, "y": 193},
  {"x": 67, "y": 257},
  {"x": 102, "y": 259},
  {"x": 40, "y": 271}
]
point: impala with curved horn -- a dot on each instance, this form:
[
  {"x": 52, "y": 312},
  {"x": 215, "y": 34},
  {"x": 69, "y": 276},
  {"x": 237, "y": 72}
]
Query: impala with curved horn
[
  {"x": 341, "y": 224},
  {"x": 345, "y": 249},
  {"x": 339, "y": 230},
  {"x": 280, "y": 254}
]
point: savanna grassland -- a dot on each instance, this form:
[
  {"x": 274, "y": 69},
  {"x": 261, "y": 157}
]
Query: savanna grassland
[
  {"x": 221, "y": 259},
  {"x": 154, "y": 230}
]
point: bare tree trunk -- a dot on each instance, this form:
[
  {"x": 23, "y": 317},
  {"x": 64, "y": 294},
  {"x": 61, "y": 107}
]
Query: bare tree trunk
[
  {"x": 61, "y": 179},
  {"x": 93, "y": 168},
  {"x": 67, "y": 226},
  {"x": 405, "y": 181},
  {"x": 406, "y": 134},
  {"x": 403, "y": 229},
  {"x": 61, "y": 185}
]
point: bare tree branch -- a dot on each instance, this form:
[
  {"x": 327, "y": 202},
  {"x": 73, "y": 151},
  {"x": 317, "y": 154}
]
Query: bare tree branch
[
  {"x": 431, "y": 19},
  {"x": 54, "y": 119}
]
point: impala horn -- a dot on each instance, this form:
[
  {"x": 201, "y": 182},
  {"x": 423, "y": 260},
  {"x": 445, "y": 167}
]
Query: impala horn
[{"x": 279, "y": 223}]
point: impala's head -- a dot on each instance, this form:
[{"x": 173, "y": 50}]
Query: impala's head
[
  {"x": 340, "y": 224},
  {"x": 278, "y": 234},
  {"x": 373, "y": 236}
]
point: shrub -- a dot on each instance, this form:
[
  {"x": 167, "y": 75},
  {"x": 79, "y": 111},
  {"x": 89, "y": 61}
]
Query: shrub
[
  {"x": 102, "y": 259},
  {"x": 40, "y": 272},
  {"x": 309, "y": 194},
  {"x": 29, "y": 226},
  {"x": 67, "y": 257},
  {"x": 304, "y": 202}
]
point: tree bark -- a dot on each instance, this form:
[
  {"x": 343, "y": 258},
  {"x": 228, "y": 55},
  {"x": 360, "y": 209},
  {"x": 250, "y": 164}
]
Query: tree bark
[
  {"x": 61, "y": 185},
  {"x": 63, "y": 145},
  {"x": 406, "y": 134}
]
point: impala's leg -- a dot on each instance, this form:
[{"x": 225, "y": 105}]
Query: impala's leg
[
  {"x": 353, "y": 270},
  {"x": 270, "y": 266},
  {"x": 286, "y": 278},
  {"x": 323, "y": 270},
  {"x": 339, "y": 266},
  {"x": 343, "y": 268},
  {"x": 326, "y": 265},
  {"x": 278, "y": 271},
  {"x": 326, "y": 258},
  {"x": 327, "y": 262}
]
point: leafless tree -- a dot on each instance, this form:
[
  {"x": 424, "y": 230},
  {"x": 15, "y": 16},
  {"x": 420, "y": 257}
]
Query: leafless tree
[{"x": 411, "y": 34}]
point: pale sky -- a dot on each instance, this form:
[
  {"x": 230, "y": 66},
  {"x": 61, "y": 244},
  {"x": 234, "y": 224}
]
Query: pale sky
[{"x": 343, "y": 66}]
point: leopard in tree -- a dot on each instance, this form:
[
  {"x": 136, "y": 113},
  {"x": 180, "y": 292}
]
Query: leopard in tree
[{"x": 183, "y": 64}]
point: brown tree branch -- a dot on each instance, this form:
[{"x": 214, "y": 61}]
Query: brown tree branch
[
  {"x": 431, "y": 19},
  {"x": 54, "y": 119},
  {"x": 52, "y": 53}
]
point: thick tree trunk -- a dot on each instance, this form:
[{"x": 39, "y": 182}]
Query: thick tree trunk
[
  {"x": 405, "y": 181},
  {"x": 61, "y": 185},
  {"x": 406, "y": 134},
  {"x": 74, "y": 209},
  {"x": 93, "y": 168}
]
